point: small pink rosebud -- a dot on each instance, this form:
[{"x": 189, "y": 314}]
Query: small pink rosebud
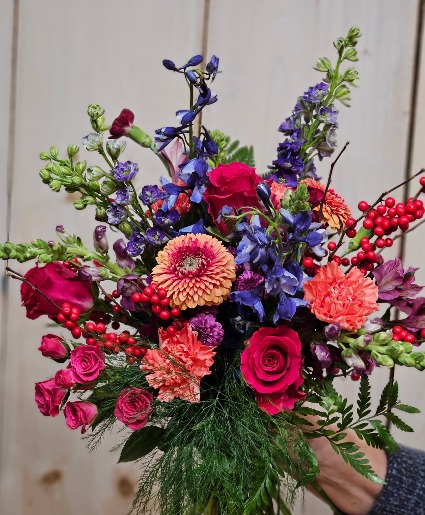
[
  {"x": 79, "y": 414},
  {"x": 52, "y": 347}
]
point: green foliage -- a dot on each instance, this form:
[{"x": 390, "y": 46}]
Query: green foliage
[
  {"x": 140, "y": 443},
  {"x": 363, "y": 400},
  {"x": 296, "y": 201},
  {"x": 230, "y": 151}
]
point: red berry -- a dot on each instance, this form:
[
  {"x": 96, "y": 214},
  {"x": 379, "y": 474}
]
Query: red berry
[
  {"x": 397, "y": 329},
  {"x": 381, "y": 209},
  {"x": 117, "y": 309},
  {"x": 368, "y": 223},
  {"x": 371, "y": 256},
  {"x": 369, "y": 266},
  {"x": 372, "y": 214},
  {"x": 403, "y": 334},
  {"x": 400, "y": 209},
  {"x": 366, "y": 247},
  {"x": 156, "y": 308},
  {"x": 137, "y": 352},
  {"x": 143, "y": 351},
  {"x": 390, "y": 202},
  {"x": 131, "y": 340},
  {"x": 76, "y": 332},
  {"x": 379, "y": 231},
  {"x": 316, "y": 270},
  {"x": 308, "y": 262},
  {"x": 410, "y": 217},
  {"x": 171, "y": 331},
  {"x": 73, "y": 317},
  {"x": 345, "y": 261},
  {"x": 380, "y": 243},
  {"x": 136, "y": 297},
  {"x": 394, "y": 222},
  {"x": 419, "y": 214},
  {"x": 331, "y": 246},
  {"x": 111, "y": 336},
  {"x": 90, "y": 341},
  {"x": 109, "y": 345},
  {"x": 337, "y": 260},
  {"x": 404, "y": 227},
  {"x": 418, "y": 204},
  {"x": 115, "y": 325},
  {"x": 423, "y": 333},
  {"x": 61, "y": 318},
  {"x": 162, "y": 292},
  {"x": 128, "y": 350},
  {"x": 391, "y": 212},
  {"x": 155, "y": 299},
  {"x": 363, "y": 205},
  {"x": 164, "y": 302},
  {"x": 116, "y": 294},
  {"x": 123, "y": 337},
  {"x": 386, "y": 225},
  {"x": 363, "y": 270},
  {"x": 90, "y": 326},
  {"x": 154, "y": 286},
  {"x": 410, "y": 207},
  {"x": 148, "y": 291},
  {"x": 355, "y": 260},
  {"x": 351, "y": 233},
  {"x": 144, "y": 298},
  {"x": 350, "y": 222},
  {"x": 396, "y": 337},
  {"x": 364, "y": 240},
  {"x": 75, "y": 311},
  {"x": 361, "y": 255},
  {"x": 67, "y": 264},
  {"x": 378, "y": 221},
  {"x": 70, "y": 325},
  {"x": 108, "y": 298},
  {"x": 355, "y": 376},
  {"x": 66, "y": 311},
  {"x": 100, "y": 328},
  {"x": 410, "y": 338},
  {"x": 164, "y": 315},
  {"x": 175, "y": 312},
  {"x": 422, "y": 181}
]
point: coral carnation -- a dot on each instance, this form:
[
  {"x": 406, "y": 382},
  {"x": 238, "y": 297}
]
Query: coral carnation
[
  {"x": 343, "y": 298},
  {"x": 196, "y": 270},
  {"x": 335, "y": 210},
  {"x": 178, "y": 366}
]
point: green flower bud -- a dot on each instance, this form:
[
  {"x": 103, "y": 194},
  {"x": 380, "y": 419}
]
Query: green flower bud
[
  {"x": 108, "y": 187},
  {"x": 50, "y": 167},
  {"x": 354, "y": 33},
  {"x": 56, "y": 169},
  {"x": 95, "y": 186},
  {"x": 93, "y": 173},
  {"x": 125, "y": 228},
  {"x": 104, "y": 273},
  {"x": 95, "y": 111},
  {"x": 381, "y": 338},
  {"x": 351, "y": 75},
  {"x": 384, "y": 360},
  {"x": 54, "y": 152},
  {"x": 339, "y": 44},
  {"x": 360, "y": 343},
  {"x": 101, "y": 214},
  {"x": 347, "y": 353},
  {"x": 93, "y": 142},
  {"x": 77, "y": 181},
  {"x": 44, "y": 258},
  {"x": 407, "y": 347},
  {"x": 139, "y": 136},
  {"x": 55, "y": 185},
  {"x": 100, "y": 123},
  {"x": 81, "y": 166},
  {"x": 79, "y": 204},
  {"x": 406, "y": 360},
  {"x": 323, "y": 65},
  {"x": 72, "y": 150},
  {"x": 394, "y": 349},
  {"x": 351, "y": 55},
  {"x": 88, "y": 200},
  {"x": 44, "y": 156},
  {"x": 115, "y": 147},
  {"x": 45, "y": 175}
]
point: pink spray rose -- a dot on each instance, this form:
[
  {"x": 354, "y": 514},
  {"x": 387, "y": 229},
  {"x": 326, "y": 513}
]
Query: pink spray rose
[
  {"x": 87, "y": 363},
  {"x": 51, "y": 347},
  {"x": 79, "y": 414},
  {"x": 59, "y": 284},
  {"x": 134, "y": 407},
  {"x": 48, "y": 396},
  {"x": 271, "y": 365},
  {"x": 65, "y": 378}
]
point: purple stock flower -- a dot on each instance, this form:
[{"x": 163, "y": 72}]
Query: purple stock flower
[
  {"x": 124, "y": 196},
  {"x": 210, "y": 332},
  {"x": 100, "y": 241},
  {"x": 123, "y": 258},
  {"x": 89, "y": 273},
  {"x": 115, "y": 214},
  {"x": 156, "y": 236},
  {"x": 126, "y": 286},
  {"x": 248, "y": 281},
  {"x": 394, "y": 283},
  {"x": 125, "y": 171},
  {"x": 332, "y": 331},
  {"x": 321, "y": 352}
]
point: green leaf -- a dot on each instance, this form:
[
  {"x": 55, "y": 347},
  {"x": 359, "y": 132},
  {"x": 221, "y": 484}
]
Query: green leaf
[
  {"x": 363, "y": 401},
  {"x": 349, "y": 453},
  {"x": 398, "y": 422},
  {"x": 406, "y": 408},
  {"x": 382, "y": 438},
  {"x": 387, "y": 397},
  {"x": 140, "y": 443}
]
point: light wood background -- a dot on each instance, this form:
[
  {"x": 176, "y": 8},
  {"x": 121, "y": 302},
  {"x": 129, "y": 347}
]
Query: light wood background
[{"x": 57, "y": 57}]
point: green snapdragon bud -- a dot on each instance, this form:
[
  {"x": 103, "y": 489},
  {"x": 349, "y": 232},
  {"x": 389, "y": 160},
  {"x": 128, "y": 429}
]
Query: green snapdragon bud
[
  {"x": 383, "y": 359},
  {"x": 115, "y": 147},
  {"x": 54, "y": 152},
  {"x": 93, "y": 173},
  {"x": 381, "y": 338},
  {"x": 125, "y": 228},
  {"x": 45, "y": 175},
  {"x": 55, "y": 185},
  {"x": 81, "y": 166},
  {"x": 108, "y": 187},
  {"x": 95, "y": 111},
  {"x": 79, "y": 204},
  {"x": 101, "y": 215},
  {"x": 93, "y": 142},
  {"x": 72, "y": 150},
  {"x": 44, "y": 156},
  {"x": 77, "y": 181},
  {"x": 406, "y": 360}
]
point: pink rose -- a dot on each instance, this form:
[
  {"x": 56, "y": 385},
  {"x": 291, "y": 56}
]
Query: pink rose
[
  {"x": 134, "y": 407},
  {"x": 271, "y": 365},
  {"x": 79, "y": 414},
  {"x": 48, "y": 396},
  {"x": 234, "y": 185},
  {"x": 59, "y": 284},
  {"x": 87, "y": 363},
  {"x": 65, "y": 378},
  {"x": 51, "y": 347}
]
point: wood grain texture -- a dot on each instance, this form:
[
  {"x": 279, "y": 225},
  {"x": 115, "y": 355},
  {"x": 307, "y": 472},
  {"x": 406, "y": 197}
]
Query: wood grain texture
[{"x": 75, "y": 53}]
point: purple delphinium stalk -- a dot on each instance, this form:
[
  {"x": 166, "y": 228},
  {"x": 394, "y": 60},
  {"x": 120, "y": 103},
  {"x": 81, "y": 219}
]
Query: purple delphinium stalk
[
  {"x": 210, "y": 332},
  {"x": 125, "y": 171}
]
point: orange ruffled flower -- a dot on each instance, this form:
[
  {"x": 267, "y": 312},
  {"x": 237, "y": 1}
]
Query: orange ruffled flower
[
  {"x": 335, "y": 210},
  {"x": 343, "y": 298},
  {"x": 196, "y": 270},
  {"x": 178, "y": 365}
]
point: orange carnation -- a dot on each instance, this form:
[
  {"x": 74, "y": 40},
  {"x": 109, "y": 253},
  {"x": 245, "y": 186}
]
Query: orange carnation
[
  {"x": 178, "y": 366},
  {"x": 343, "y": 298},
  {"x": 196, "y": 270},
  {"x": 335, "y": 210}
]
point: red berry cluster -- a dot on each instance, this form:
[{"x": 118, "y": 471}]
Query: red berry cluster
[
  {"x": 68, "y": 317},
  {"x": 71, "y": 264},
  {"x": 400, "y": 334},
  {"x": 157, "y": 298}
]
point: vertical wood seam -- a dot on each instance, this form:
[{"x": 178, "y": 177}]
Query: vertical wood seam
[{"x": 10, "y": 163}]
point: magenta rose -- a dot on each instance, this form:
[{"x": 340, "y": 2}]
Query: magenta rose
[
  {"x": 234, "y": 185},
  {"x": 48, "y": 396},
  {"x": 133, "y": 407},
  {"x": 52, "y": 347},
  {"x": 65, "y": 378},
  {"x": 60, "y": 285},
  {"x": 271, "y": 365},
  {"x": 79, "y": 414},
  {"x": 87, "y": 363}
]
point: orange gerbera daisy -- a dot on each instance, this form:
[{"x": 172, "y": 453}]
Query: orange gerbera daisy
[
  {"x": 196, "y": 270},
  {"x": 343, "y": 298},
  {"x": 178, "y": 366},
  {"x": 335, "y": 210}
]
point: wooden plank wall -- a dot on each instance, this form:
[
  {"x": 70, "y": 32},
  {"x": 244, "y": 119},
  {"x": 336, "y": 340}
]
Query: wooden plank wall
[{"x": 70, "y": 54}]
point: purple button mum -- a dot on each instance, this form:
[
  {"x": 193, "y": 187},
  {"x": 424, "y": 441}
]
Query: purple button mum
[{"x": 210, "y": 332}]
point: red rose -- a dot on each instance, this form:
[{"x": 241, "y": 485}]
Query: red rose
[
  {"x": 79, "y": 414},
  {"x": 233, "y": 185},
  {"x": 271, "y": 365},
  {"x": 48, "y": 396},
  {"x": 59, "y": 284},
  {"x": 134, "y": 407}
]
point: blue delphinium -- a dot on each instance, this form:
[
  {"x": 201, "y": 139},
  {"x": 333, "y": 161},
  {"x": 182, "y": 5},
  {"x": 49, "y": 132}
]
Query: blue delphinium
[
  {"x": 124, "y": 196},
  {"x": 151, "y": 194},
  {"x": 115, "y": 213},
  {"x": 125, "y": 171},
  {"x": 255, "y": 245}
]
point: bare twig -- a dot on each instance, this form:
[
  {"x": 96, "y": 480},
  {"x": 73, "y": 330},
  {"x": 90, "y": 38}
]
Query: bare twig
[{"x": 330, "y": 177}]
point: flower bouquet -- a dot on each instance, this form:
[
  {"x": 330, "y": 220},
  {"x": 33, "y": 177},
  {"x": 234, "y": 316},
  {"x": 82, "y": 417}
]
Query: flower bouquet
[{"x": 214, "y": 329}]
